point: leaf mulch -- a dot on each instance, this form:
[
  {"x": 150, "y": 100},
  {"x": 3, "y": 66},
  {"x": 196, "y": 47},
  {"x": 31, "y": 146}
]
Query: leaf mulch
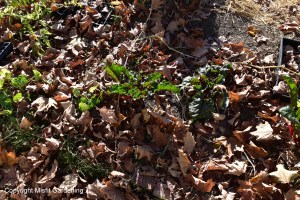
[{"x": 211, "y": 131}]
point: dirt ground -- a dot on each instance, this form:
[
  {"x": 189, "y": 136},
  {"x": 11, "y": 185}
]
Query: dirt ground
[{"x": 232, "y": 27}]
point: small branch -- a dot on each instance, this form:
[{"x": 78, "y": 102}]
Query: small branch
[{"x": 270, "y": 67}]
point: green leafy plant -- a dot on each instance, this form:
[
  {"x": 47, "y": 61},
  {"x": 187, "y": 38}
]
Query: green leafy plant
[
  {"x": 137, "y": 85},
  {"x": 207, "y": 98},
  {"x": 26, "y": 17},
  {"x": 292, "y": 111}
]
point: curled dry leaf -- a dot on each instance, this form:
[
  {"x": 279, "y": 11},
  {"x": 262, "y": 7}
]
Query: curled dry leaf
[
  {"x": 69, "y": 183},
  {"x": 50, "y": 175},
  {"x": 264, "y": 132},
  {"x": 189, "y": 142},
  {"x": 44, "y": 104},
  {"x": 52, "y": 143},
  {"x": 108, "y": 115},
  {"x": 105, "y": 190},
  {"x": 183, "y": 161},
  {"x": 201, "y": 185},
  {"x": 25, "y": 123},
  {"x": 144, "y": 152}
]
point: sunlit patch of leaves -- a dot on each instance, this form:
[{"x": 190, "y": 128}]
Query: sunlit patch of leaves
[{"x": 16, "y": 138}]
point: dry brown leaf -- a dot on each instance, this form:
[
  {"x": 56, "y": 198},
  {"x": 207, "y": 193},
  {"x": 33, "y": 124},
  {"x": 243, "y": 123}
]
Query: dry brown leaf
[
  {"x": 183, "y": 161},
  {"x": 252, "y": 31},
  {"x": 264, "y": 132},
  {"x": 52, "y": 143},
  {"x": 201, "y": 185},
  {"x": 291, "y": 195},
  {"x": 236, "y": 168},
  {"x": 256, "y": 152},
  {"x": 44, "y": 104},
  {"x": 9, "y": 158},
  {"x": 50, "y": 175},
  {"x": 259, "y": 177},
  {"x": 104, "y": 190},
  {"x": 189, "y": 142},
  {"x": 25, "y": 123},
  {"x": 160, "y": 138},
  {"x": 108, "y": 115},
  {"x": 69, "y": 183},
  {"x": 143, "y": 152},
  {"x": 274, "y": 118},
  {"x": 284, "y": 176}
]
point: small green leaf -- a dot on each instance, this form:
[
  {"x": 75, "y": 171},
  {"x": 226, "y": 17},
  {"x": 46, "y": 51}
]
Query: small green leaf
[
  {"x": 20, "y": 81},
  {"x": 37, "y": 75},
  {"x": 1, "y": 83},
  {"x": 5, "y": 112},
  {"x": 293, "y": 90},
  {"x": 201, "y": 108},
  {"x": 92, "y": 89},
  {"x": 83, "y": 107},
  {"x": 116, "y": 71},
  {"x": 18, "y": 97},
  {"x": 166, "y": 86},
  {"x": 76, "y": 92},
  {"x": 289, "y": 113}
]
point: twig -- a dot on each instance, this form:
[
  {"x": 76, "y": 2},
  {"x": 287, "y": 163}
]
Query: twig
[
  {"x": 171, "y": 48},
  {"x": 250, "y": 163},
  {"x": 270, "y": 67}
]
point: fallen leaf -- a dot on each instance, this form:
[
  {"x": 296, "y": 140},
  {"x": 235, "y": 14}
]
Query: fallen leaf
[
  {"x": 44, "y": 104},
  {"x": 52, "y": 143},
  {"x": 264, "y": 132},
  {"x": 284, "y": 176},
  {"x": 236, "y": 168},
  {"x": 143, "y": 152},
  {"x": 69, "y": 183},
  {"x": 183, "y": 161},
  {"x": 108, "y": 115},
  {"x": 25, "y": 123},
  {"x": 50, "y": 175},
  {"x": 256, "y": 152},
  {"x": 189, "y": 142},
  {"x": 160, "y": 138},
  {"x": 201, "y": 185},
  {"x": 104, "y": 190},
  {"x": 252, "y": 31}
]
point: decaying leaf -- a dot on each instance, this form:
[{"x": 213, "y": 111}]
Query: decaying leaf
[
  {"x": 50, "y": 175},
  {"x": 69, "y": 183},
  {"x": 284, "y": 176},
  {"x": 264, "y": 132},
  {"x": 103, "y": 190},
  {"x": 144, "y": 152},
  {"x": 25, "y": 123},
  {"x": 201, "y": 185},
  {"x": 8, "y": 158},
  {"x": 183, "y": 161},
  {"x": 108, "y": 115},
  {"x": 189, "y": 142}
]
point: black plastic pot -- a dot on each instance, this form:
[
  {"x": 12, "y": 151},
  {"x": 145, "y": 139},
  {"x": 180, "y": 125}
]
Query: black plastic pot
[
  {"x": 5, "y": 49},
  {"x": 283, "y": 43}
]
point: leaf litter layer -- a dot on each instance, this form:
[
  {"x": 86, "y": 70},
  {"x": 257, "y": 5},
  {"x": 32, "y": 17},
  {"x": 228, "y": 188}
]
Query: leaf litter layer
[{"x": 132, "y": 101}]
